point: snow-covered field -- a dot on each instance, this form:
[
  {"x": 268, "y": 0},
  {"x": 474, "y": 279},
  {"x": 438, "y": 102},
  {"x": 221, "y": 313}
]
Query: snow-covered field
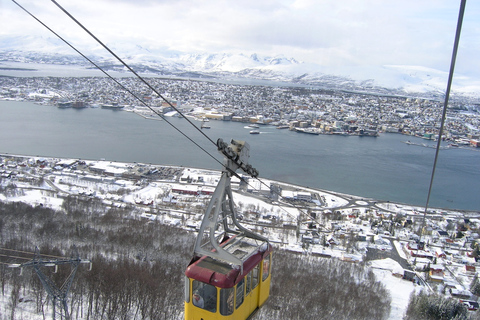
[
  {"x": 400, "y": 289},
  {"x": 179, "y": 197}
]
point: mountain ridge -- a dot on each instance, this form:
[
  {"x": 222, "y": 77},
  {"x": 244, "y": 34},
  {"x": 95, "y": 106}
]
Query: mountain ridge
[{"x": 386, "y": 79}]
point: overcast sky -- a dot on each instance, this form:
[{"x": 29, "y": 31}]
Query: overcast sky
[{"x": 332, "y": 33}]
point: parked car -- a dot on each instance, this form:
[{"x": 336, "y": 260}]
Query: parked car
[{"x": 471, "y": 305}]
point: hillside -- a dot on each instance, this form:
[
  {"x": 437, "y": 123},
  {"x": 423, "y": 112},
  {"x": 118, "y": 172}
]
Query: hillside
[{"x": 149, "y": 258}]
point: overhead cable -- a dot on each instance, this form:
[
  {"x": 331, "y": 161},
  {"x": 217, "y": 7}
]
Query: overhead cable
[
  {"x": 131, "y": 70},
  {"x": 121, "y": 85},
  {"x": 445, "y": 105},
  {"x": 301, "y": 210}
]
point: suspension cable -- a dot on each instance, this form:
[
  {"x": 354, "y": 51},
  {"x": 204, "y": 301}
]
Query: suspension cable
[
  {"x": 125, "y": 88},
  {"x": 131, "y": 70},
  {"x": 445, "y": 105},
  {"x": 300, "y": 209},
  {"x": 447, "y": 94},
  {"x": 129, "y": 91}
]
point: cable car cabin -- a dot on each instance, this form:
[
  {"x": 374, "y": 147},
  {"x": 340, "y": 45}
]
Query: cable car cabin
[
  {"x": 218, "y": 290},
  {"x": 229, "y": 275}
]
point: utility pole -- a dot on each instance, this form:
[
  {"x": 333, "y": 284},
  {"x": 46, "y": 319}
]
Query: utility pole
[{"x": 58, "y": 295}]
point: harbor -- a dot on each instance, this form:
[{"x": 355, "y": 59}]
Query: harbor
[
  {"x": 308, "y": 110},
  {"x": 382, "y": 168},
  {"x": 466, "y": 146}
]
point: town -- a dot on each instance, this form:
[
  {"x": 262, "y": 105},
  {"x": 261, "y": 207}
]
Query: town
[
  {"x": 303, "y": 109},
  {"x": 437, "y": 250}
]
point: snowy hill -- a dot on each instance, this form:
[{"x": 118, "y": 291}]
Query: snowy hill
[
  {"x": 232, "y": 62},
  {"x": 386, "y": 79}
]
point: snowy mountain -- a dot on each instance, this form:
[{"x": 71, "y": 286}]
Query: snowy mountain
[
  {"x": 233, "y": 62},
  {"x": 387, "y": 79}
]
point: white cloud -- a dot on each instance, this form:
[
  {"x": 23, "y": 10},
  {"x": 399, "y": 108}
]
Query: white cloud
[{"x": 334, "y": 33}]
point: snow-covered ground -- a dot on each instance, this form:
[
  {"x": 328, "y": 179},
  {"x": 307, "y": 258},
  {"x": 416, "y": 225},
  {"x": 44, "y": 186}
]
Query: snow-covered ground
[
  {"x": 179, "y": 196},
  {"x": 400, "y": 289}
]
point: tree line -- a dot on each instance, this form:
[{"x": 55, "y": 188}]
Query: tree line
[{"x": 137, "y": 269}]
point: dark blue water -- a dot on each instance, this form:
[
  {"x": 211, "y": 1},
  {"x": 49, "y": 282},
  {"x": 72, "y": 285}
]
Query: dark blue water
[{"x": 383, "y": 168}]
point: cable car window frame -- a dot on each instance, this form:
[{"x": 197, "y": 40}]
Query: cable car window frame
[
  {"x": 240, "y": 293},
  {"x": 255, "y": 276},
  {"x": 248, "y": 286},
  {"x": 227, "y": 299},
  {"x": 267, "y": 263},
  {"x": 187, "y": 290},
  {"x": 200, "y": 288}
]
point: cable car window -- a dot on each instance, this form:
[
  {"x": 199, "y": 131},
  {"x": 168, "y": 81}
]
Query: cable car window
[
  {"x": 266, "y": 268},
  {"x": 226, "y": 301},
  {"x": 204, "y": 296},
  {"x": 187, "y": 290},
  {"x": 249, "y": 283},
  {"x": 240, "y": 292},
  {"x": 255, "y": 276}
]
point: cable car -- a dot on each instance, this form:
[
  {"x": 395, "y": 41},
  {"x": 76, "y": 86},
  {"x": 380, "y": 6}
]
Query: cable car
[{"x": 230, "y": 273}]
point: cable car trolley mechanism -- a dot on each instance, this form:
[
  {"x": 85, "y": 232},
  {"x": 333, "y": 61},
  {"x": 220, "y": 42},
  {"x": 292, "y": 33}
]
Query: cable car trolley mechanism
[{"x": 229, "y": 275}]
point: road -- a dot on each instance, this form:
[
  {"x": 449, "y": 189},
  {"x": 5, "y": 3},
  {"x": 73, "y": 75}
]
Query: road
[{"x": 374, "y": 254}]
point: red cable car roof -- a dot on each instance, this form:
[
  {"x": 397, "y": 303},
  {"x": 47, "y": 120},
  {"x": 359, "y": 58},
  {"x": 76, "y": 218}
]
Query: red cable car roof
[{"x": 225, "y": 275}]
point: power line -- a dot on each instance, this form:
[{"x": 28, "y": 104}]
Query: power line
[
  {"x": 154, "y": 90},
  {"x": 13, "y": 257},
  {"x": 129, "y": 91},
  {"x": 32, "y": 253},
  {"x": 131, "y": 70},
  {"x": 445, "y": 105},
  {"x": 126, "y": 89}
]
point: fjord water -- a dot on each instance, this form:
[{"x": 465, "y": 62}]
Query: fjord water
[{"x": 382, "y": 168}]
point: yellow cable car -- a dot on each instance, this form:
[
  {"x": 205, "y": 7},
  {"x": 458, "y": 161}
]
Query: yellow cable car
[
  {"x": 228, "y": 278},
  {"x": 218, "y": 290}
]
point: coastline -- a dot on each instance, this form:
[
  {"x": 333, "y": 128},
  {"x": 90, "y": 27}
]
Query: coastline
[
  {"x": 177, "y": 195},
  {"x": 382, "y": 168},
  {"x": 353, "y": 201}
]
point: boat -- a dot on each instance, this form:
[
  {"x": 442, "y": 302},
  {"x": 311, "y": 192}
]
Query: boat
[
  {"x": 79, "y": 104},
  {"x": 307, "y": 130},
  {"x": 367, "y": 133},
  {"x": 339, "y": 133},
  {"x": 284, "y": 126},
  {"x": 112, "y": 106},
  {"x": 204, "y": 125},
  {"x": 463, "y": 142},
  {"x": 254, "y": 132},
  {"x": 71, "y": 104},
  {"x": 254, "y": 126},
  {"x": 64, "y": 104}
]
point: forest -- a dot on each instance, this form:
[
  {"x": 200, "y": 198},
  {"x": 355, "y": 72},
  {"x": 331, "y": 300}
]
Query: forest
[{"x": 138, "y": 266}]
